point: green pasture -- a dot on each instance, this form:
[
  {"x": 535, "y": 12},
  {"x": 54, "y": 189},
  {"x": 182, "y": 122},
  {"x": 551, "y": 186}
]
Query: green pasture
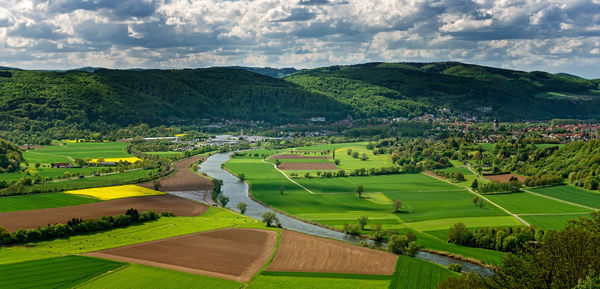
[
  {"x": 140, "y": 276},
  {"x": 526, "y": 203},
  {"x": 424, "y": 198},
  {"x": 42, "y": 201},
  {"x": 465, "y": 171},
  {"x": 61, "y": 272},
  {"x": 71, "y": 151},
  {"x": 472, "y": 222},
  {"x": 302, "y": 280},
  {"x": 47, "y": 173},
  {"x": 571, "y": 194},
  {"x": 413, "y": 273},
  {"x": 165, "y": 154},
  {"x": 90, "y": 182},
  {"x": 552, "y": 222},
  {"x": 347, "y": 162}
]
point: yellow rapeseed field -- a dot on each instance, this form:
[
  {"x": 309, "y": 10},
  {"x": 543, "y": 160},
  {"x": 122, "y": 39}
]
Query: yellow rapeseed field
[
  {"x": 116, "y": 192},
  {"x": 129, "y": 159}
]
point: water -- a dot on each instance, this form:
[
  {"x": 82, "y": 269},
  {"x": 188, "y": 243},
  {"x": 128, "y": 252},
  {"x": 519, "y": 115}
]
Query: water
[{"x": 237, "y": 192}]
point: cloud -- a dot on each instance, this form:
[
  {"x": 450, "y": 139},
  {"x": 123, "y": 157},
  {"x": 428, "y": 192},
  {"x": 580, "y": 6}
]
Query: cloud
[{"x": 523, "y": 34}]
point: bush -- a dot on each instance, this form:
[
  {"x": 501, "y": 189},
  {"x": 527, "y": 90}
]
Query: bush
[
  {"x": 351, "y": 229},
  {"x": 397, "y": 244},
  {"x": 412, "y": 249},
  {"x": 269, "y": 218},
  {"x": 455, "y": 267}
]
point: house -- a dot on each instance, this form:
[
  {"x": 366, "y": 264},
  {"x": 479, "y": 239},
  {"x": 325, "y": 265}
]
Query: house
[
  {"x": 61, "y": 165},
  {"x": 318, "y": 119}
]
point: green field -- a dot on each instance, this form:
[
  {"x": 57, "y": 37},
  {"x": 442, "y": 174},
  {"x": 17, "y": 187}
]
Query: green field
[
  {"x": 413, "y": 273},
  {"x": 140, "y": 276},
  {"x": 571, "y": 194},
  {"x": 47, "y": 172},
  {"x": 465, "y": 171},
  {"x": 90, "y": 182},
  {"x": 70, "y": 151},
  {"x": 42, "y": 201},
  {"x": 424, "y": 199},
  {"x": 165, "y": 154},
  {"x": 61, "y": 272},
  {"x": 552, "y": 222},
  {"x": 301, "y": 280},
  {"x": 526, "y": 203}
]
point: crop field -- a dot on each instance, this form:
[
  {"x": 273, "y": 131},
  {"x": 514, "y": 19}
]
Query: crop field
[
  {"x": 42, "y": 201},
  {"x": 116, "y": 192},
  {"x": 139, "y": 276},
  {"x": 471, "y": 222},
  {"x": 47, "y": 172},
  {"x": 61, "y": 272},
  {"x": 235, "y": 254},
  {"x": 413, "y": 273},
  {"x": 275, "y": 280},
  {"x": 127, "y": 159},
  {"x": 90, "y": 182},
  {"x": 526, "y": 203},
  {"x": 71, "y": 151},
  {"x": 571, "y": 194},
  {"x": 552, "y": 222},
  {"x": 38, "y": 218},
  {"x": 334, "y": 202}
]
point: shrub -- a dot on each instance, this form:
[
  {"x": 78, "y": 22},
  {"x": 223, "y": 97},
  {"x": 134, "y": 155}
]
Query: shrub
[
  {"x": 397, "y": 244},
  {"x": 412, "y": 249},
  {"x": 351, "y": 229},
  {"x": 455, "y": 267}
]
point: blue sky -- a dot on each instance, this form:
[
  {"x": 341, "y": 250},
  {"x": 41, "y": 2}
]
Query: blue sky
[{"x": 555, "y": 36}]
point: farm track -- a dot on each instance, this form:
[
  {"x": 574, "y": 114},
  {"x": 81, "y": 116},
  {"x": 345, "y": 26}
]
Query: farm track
[
  {"x": 289, "y": 179},
  {"x": 486, "y": 199},
  {"x": 31, "y": 219}
]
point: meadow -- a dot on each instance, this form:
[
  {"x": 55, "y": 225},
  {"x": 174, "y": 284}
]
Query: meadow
[
  {"x": 91, "y": 182},
  {"x": 60, "y": 272},
  {"x": 71, "y": 151},
  {"x": 526, "y": 203},
  {"x": 552, "y": 222},
  {"x": 572, "y": 194},
  {"x": 412, "y": 273},
  {"x": 272, "y": 280},
  {"x": 140, "y": 276},
  {"x": 42, "y": 201},
  {"x": 334, "y": 204}
]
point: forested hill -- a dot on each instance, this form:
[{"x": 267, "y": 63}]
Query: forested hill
[
  {"x": 38, "y": 100},
  {"x": 385, "y": 89}
]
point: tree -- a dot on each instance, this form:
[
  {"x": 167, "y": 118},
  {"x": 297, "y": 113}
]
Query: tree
[
  {"x": 412, "y": 249},
  {"x": 134, "y": 214},
  {"x": 37, "y": 165},
  {"x": 270, "y": 218},
  {"x": 411, "y": 236},
  {"x": 223, "y": 200},
  {"x": 397, "y": 243},
  {"x": 459, "y": 234},
  {"x": 591, "y": 281},
  {"x": 359, "y": 190},
  {"x": 242, "y": 207},
  {"x": 351, "y": 229},
  {"x": 363, "y": 221},
  {"x": 455, "y": 267},
  {"x": 349, "y": 151},
  {"x": 475, "y": 200},
  {"x": 475, "y": 185},
  {"x": 397, "y": 206},
  {"x": 355, "y": 155},
  {"x": 336, "y": 162},
  {"x": 277, "y": 162},
  {"x": 364, "y": 157},
  {"x": 156, "y": 185},
  {"x": 242, "y": 177},
  {"x": 281, "y": 190},
  {"x": 459, "y": 176}
]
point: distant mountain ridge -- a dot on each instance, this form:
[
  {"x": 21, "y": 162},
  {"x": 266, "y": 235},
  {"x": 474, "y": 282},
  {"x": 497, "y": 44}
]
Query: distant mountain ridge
[
  {"x": 269, "y": 71},
  {"x": 98, "y": 99}
]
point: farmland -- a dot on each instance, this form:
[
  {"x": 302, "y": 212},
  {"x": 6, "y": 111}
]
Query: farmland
[
  {"x": 61, "y": 272},
  {"x": 68, "y": 152},
  {"x": 417, "y": 274},
  {"x": 42, "y": 201},
  {"x": 152, "y": 277},
  {"x": 571, "y": 194},
  {"x": 116, "y": 192},
  {"x": 269, "y": 280},
  {"x": 526, "y": 203}
]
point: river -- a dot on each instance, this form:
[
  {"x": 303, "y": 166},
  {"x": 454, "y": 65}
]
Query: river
[{"x": 237, "y": 191}]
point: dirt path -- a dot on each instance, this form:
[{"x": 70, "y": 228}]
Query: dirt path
[
  {"x": 31, "y": 219},
  {"x": 305, "y": 253},
  {"x": 481, "y": 196},
  {"x": 184, "y": 179},
  {"x": 235, "y": 254}
]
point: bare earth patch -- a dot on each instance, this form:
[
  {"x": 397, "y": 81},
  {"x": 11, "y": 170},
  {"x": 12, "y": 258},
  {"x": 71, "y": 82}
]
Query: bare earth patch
[
  {"x": 304, "y": 253},
  {"x": 299, "y": 157},
  {"x": 235, "y": 254},
  {"x": 307, "y": 166},
  {"x": 184, "y": 179},
  {"x": 31, "y": 219},
  {"x": 504, "y": 178}
]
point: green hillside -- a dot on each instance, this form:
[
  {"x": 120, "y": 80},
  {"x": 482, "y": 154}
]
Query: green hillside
[{"x": 393, "y": 89}]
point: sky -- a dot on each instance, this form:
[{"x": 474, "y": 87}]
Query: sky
[{"x": 554, "y": 36}]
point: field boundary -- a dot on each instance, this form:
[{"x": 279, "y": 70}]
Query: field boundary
[
  {"x": 289, "y": 179},
  {"x": 327, "y": 275}
]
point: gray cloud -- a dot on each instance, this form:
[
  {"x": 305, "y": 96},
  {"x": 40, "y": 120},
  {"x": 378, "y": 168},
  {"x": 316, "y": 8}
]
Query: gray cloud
[{"x": 525, "y": 34}]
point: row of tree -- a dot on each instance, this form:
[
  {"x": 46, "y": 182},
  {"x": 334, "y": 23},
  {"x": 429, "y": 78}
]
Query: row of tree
[{"x": 501, "y": 239}]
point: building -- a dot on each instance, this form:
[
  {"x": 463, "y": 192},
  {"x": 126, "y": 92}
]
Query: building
[
  {"x": 318, "y": 119},
  {"x": 61, "y": 165}
]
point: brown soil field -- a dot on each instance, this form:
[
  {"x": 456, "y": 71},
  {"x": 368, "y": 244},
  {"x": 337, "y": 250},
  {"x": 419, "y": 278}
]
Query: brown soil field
[
  {"x": 31, "y": 147},
  {"x": 299, "y": 157},
  {"x": 183, "y": 179},
  {"x": 307, "y": 166},
  {"x": 304, "y": 253},
  {"x": 504, "y": 178},
  {"x": 235, "y": 254},
  {"x": 31, "y": 219}
]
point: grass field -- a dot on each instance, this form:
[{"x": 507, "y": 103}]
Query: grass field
[
  {"x": 424, "y": 199},
  {"x": 571, "y": 194},
  {"x": 301, "y": 280},
  {"x": 91, "y": 182},
  {"x": 413, "y": 273},
  {"x": 526, "y": 203},
  {"x": 552, "y": 222},
  {"x": 42, "y": 201},
  {"x": 71, "y": 151},
  {"x": 125, "y": 159},
  {"x": 61, "y": 272},
  {"x": 116, "y": 192},
  {"x": 140, "y": 276},
  {"x": 47, "y": 172},
  {"x": 463, "y": 170}
]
